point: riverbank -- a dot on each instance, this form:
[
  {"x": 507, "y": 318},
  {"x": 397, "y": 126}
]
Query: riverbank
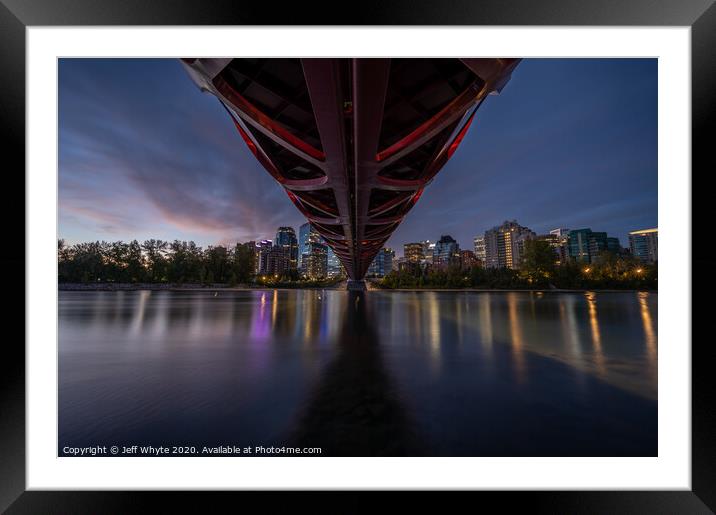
[
  {"x": 503, "y": 290},
  {"x": 338, "y": 286},
  {"x": 187, "y": 287}
]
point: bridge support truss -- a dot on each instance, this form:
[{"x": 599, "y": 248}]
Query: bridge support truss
[{"x": 353, "y": 141}]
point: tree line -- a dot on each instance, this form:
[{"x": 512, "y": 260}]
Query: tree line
[
  {"x": 154, "y": 261},
  {"x": 538, "y": 269},
  {"x": 181, "y": 262}
]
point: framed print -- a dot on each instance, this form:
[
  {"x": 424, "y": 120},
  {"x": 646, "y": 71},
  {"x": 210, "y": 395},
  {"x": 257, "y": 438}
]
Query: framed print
[{"x": 417, "y": 250}]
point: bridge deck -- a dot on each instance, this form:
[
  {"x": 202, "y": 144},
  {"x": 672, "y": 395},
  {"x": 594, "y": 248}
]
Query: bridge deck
[{"x": 353, "y": 141}]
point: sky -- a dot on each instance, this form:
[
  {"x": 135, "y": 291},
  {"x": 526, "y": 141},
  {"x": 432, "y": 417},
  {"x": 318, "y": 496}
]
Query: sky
[{"x": 144, "y": 154}]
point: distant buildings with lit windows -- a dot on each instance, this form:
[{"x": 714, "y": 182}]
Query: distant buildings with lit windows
[
  {"x": 585, "y": 245},
  {"x": 382, "y": 264},
  {"x": 334, "y": 266},
  {"x": 315, "y": 261},
  {"x": 388, "y": 266},
  {"x": 479, "y": 246},
  {"x": 446, "y": 252},
  {"x": 414, "y": 252},
  {"x": 307, "y": 236},
  {"x": 557, "y": 239},
  {"x": 277, "y": 257},
  {"x": 499, "y": 247},
  {"x": 286, "y": 240},
  {"x": 504, "y": 245},
  {"x": 578, "y": 245},
  {"x": 313, "y": 252},
  {"x": 468, "y": 259},
  {"x": 274, "y": 261},
  {"x": 262, "y": 249},
  {"x": 428, "y": 252},
  {"x": 644, "y": 245}
]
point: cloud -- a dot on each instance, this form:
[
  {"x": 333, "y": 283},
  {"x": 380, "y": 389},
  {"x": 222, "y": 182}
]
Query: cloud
[{"x": 150, "y": 139}]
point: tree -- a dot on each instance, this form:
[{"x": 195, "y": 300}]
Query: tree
[
  {"x": 87, "y": 262},
  {"x": 217, "y": 263},
  {"x": 156, "y": 260},
  {"x": 115, "y": 257},
  {"x": 64, "y": 262},
  {"x": 243, "y": 263},
  {"x": 134, "y": 265},
  {"x": 178, "y": 262},
  {"x": 538, "y": 261}
]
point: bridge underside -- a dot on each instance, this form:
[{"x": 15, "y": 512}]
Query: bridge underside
[{"x": 353, "y": 141}]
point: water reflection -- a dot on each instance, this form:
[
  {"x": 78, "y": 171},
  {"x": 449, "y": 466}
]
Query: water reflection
[
  {"x": 516, "y": 338},
  {"x": 649, "y": 331},
  {"x": 485, "y": 324},
  {"x": 569, "y": 306},
  {"x": 354, "y": 409},
  {"x": 434, "y": 329},
  {"x": 596, "y": 336},
  {"x": 138, "y": 320},
  {"x": 384, "y": 373}
]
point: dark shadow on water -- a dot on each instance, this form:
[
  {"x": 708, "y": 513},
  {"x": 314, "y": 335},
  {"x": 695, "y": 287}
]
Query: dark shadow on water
[{"x": 355, "y": 410}]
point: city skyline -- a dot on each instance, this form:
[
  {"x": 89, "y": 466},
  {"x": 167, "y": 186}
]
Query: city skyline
[
  {"x": 146, "y": 165},
  {"x": 398, "y": 247}
]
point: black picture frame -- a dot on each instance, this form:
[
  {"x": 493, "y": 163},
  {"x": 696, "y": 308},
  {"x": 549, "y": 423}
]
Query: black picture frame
[{"x": 17, "y": 15}]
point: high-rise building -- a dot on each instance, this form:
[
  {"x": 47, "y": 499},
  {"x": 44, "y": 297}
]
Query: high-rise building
[
  {"x": 303, "y": 233},
  {"x": 316, "y": 261},
  {"x": 262, "y": 249},
  {"x": 597, "y": 244},
  {"x": 382, "y": 264},
  {"x": 414, "y": 252},
  {"x": 468, "y": 259},
  {"x": 578, "y": 245},
  {"x": 613, "y": 245},
  {"x": 644, "y": 245},
  {"x": 335, "y": 268},
  {"x": 275, "y": 261},
  {"x": 389, "y": 267},
  {"x": 479, "y": 243},
  {"x": 400, "y": 263},
  {"x": 585, "y": 245},
  {"x": 307, "y": 234},
  {"x": 504, "y": 245},
  {"x": 558, "y": 241},
  {"x": 560, "y": 232},
  {"x": 446, "y": 252},
  {"x": 428, "y": 251},
  {"x": 286, "y": 240}
]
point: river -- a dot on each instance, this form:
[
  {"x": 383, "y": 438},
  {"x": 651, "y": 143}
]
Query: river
[{"x": 361, "y": 374}]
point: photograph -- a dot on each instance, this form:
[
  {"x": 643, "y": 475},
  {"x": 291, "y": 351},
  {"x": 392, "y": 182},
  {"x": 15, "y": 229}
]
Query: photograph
[
  {"x": 269, "y": 253},
  {"x": 357, "y": 257}
]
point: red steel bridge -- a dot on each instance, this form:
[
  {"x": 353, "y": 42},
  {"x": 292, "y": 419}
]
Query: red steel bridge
[{"x": 353, "y": 141}]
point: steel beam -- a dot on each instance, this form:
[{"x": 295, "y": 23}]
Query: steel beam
[{"x": 350, "y": 169}]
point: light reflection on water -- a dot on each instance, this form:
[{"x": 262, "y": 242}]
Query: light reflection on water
[{"x": 444, "y": 373}]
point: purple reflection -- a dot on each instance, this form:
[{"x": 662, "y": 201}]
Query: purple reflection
[{"x": 260, "y": 321}]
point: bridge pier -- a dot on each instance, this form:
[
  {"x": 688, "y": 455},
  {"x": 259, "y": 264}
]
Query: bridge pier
[{"x": 356, "y": 285}]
